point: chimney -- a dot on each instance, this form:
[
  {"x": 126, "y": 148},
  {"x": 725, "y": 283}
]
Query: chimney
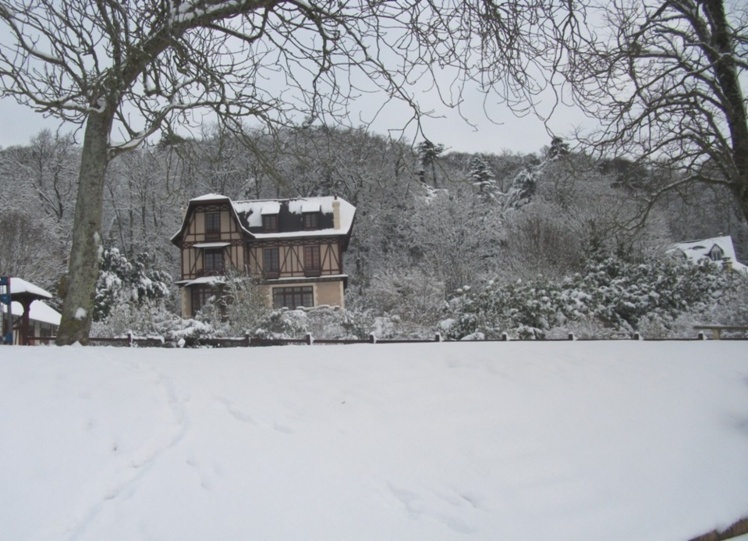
[{"x": 336, "y": 213}]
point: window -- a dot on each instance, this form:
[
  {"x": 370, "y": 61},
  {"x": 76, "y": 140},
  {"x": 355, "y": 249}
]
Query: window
[
  {"x": 212, "y": 225},
  {"x": 311, "y": 220},
  {"x": 312, "y": 263},
  {"x": 271, "y": 262},
  {"x": 293, "y": 297},
  {"x": 45, "y": 333},
  {"x": 200, "y": 297},
  {"x": 270, "y": 222},
  {"x": 213, "y": 261}
]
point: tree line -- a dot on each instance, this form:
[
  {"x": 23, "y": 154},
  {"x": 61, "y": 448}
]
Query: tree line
[{"x": 430, "y": 225}]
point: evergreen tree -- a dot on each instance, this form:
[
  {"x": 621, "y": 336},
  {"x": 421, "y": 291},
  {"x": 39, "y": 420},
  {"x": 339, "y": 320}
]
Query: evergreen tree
[
  {"x": 481, "y": 177},
  {"x": 428, "y": 153},
  {"x": 121, "y": 281},
  {"x": 559, "y": 147}
]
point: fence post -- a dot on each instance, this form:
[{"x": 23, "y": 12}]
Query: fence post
[
  {"x": 438, "y": 337},
  {"x": 372, "y": 338},
  {"x": 308, "y": 338},
  {"x": 130, "y": 339},
  {"x": 247, "y": 340}
]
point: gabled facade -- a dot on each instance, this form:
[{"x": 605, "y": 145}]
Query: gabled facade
[
  {"x": 717, "y": 249},
  {"x": 293, "y": 246}
]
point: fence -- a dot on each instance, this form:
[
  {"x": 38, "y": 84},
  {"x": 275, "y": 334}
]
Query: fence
[{"x": 246, "y": 341}]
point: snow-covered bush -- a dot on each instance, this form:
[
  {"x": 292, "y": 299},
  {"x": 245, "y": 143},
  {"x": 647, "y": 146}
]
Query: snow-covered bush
[
  {"x": 150, "y": 318},
  {"x": 127, "y": 282},
  {"x": 410, "y": 295},
  {"x": 322, "y": 322},
  {"x": 611, "y": 294},
  {"x": 245, "y": 303}
]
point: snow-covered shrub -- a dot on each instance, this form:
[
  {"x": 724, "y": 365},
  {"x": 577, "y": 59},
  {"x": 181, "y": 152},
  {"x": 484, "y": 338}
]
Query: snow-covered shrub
[
  {"x": 411, "y": 295},
  {"x": 611, "y": 294},
  {"x": 245, "y": 303},
  {"x": 322, "y": 322},
  {"x": 127, "y": 282},
  {"x": 151, "y": 318}
]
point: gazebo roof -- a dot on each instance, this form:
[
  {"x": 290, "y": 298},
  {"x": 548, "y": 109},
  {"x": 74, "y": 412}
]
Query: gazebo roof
[{"x": 21, "y": 288}]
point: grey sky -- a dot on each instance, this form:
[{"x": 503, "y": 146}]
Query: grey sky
[{"x": 19, "y": 124}]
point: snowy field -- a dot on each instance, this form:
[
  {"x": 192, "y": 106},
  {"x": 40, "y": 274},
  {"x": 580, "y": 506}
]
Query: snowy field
[{"x": 501, "y": 441}]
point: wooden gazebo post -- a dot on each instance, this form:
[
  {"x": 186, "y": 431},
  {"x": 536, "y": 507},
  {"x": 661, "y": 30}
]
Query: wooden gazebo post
[
  {"x": 25, "y": 299},
  {"x": 6, "y": 325},
  {"x": 24, "y": 335},
  {"x": 24, "y": 293}
]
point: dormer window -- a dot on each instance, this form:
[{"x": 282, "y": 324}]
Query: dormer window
[
  {"x": 212, "y": 225},
  {"x": 311, "y": 220},
  {"x": 716, "y": 253},
  {"x": 270, "y": 223}
]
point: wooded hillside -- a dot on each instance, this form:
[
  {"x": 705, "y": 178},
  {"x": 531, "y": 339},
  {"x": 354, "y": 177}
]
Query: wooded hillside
[{"x": 431, "y": 224}]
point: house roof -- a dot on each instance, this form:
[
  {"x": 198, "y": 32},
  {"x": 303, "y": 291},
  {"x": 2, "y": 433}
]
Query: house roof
[
  {"x": 700, "y": 249},
  {"x": 249, "y": 215}
]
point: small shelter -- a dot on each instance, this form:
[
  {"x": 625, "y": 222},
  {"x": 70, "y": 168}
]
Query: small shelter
[{"x": 33, "y": 317}]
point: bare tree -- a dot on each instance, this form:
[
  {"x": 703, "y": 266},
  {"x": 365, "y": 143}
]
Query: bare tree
[
  {"x": 664, "y": 79},
  {"x": 136, "y": 66},
  {"x": 45, "y": 168}
]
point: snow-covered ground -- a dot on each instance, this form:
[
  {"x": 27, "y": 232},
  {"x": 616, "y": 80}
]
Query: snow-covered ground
[{"x": 494, "y": 441}]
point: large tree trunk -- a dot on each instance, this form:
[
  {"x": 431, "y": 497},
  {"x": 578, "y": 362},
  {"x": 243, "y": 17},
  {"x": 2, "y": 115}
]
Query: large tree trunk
[
  {"x": 723, "y": 58},
  {"x": 83, "y": 266}
]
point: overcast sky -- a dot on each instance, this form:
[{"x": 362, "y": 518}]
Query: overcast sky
[
  {"x": 19, "y": 124},
  {"x": 505, "y": 131}
]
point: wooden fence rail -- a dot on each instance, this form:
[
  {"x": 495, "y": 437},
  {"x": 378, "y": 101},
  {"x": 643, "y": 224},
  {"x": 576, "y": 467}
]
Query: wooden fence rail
[{"x": 231, "y": 342}]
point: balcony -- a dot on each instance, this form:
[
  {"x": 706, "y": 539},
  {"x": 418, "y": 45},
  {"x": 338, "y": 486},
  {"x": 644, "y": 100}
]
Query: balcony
[{"x": 210, "y": 272}]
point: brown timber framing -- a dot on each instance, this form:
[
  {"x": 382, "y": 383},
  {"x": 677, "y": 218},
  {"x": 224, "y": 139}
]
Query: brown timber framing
[
  {"x": 291, "y": 254},
  {"x": 192, "y": 259},
  {"x": 219, "y": 236}
]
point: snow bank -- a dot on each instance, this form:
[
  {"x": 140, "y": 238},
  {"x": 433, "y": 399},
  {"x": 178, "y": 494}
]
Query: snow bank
[{"x": 516, "y": 441}]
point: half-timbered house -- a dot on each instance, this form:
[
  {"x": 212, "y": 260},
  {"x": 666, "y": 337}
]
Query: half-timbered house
[{"x": 294, "y": 247}]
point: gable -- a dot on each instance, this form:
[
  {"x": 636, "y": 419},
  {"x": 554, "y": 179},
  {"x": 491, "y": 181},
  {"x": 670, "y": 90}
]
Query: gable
[{"x": 714, "y": 249}]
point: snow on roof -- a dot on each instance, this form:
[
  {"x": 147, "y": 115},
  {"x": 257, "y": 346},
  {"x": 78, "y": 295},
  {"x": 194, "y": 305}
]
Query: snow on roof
[
  {"x": 19, "y": 285},
  {"x": 254, "y": 209},
  {"x": 39, "y": 311},
  {"x": 251, "y": 212},
  {"x": 210, "y": 244},
  {"x": 208, "y": 197},
  {"x": 205, "y": 280},
  {"x": 701, "y": 249},
  {"x": 299, "y": 206},
  {"x": 270, "y": 207}
]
